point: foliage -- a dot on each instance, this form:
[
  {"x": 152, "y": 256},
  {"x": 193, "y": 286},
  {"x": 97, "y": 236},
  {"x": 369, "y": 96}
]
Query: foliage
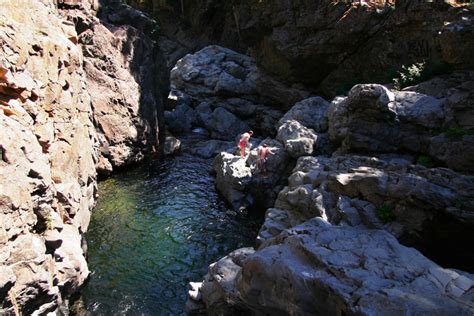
[
  {"x": 409, "y": 75},
  {"x": 425, "y": 160},
  {"x": 385, "y": 213},
  {"x": 457, "y": 132},
  {"x": 49, "y": 222},
  {"x": 419, "y": 72}
]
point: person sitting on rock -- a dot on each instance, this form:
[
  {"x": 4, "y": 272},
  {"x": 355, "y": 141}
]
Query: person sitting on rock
[
  {"x": 263, "y": 152},
  {"x": 244, "y": 142}
]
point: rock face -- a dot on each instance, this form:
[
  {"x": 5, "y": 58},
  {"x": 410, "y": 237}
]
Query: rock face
[
  {"x": 224, "y": 92},
  {"x": 126, "y": 80},
  {"x": 327, "y": 45},
  {"x": 323, "y": 269},
  {"x": 74, "y": 97},
  {"x": 48, "y": 156},
  {"x": 375, "y": 120}
]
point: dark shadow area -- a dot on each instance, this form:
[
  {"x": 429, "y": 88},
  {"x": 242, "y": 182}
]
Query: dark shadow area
[{"x": 447, "y": 242}]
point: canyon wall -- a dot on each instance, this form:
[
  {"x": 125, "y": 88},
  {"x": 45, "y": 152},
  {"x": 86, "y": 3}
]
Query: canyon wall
[
  {"x": 75, "y": 97},
  {"x": 326, "y": 45}
]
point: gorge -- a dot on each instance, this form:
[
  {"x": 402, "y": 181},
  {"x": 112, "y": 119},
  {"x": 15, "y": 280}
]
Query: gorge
[{"x": 366, "y": 206}]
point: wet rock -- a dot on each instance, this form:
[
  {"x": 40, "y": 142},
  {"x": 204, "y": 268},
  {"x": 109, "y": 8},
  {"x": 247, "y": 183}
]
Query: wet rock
[{"x": 172, "y": 145}]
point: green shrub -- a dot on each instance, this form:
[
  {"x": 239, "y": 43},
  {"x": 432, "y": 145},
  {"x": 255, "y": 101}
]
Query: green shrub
[
  {"x": 49, "y": 222},
  {"x": 457, "y": 132},
  {"x": 409, "y": 75},
  {"x": 418, "y": 72},
  {"x": 425, "y": 160},
  {"x": 385, "y": 213}
]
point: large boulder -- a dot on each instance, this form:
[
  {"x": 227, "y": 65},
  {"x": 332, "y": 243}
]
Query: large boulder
[
  {"x": 376, "y": 120},
  {"x": 215, "y": 70},
  {"x": 218, "y": 71},
  {"x": 413, "y": 202},
  {"x": 297, "y": 139},
  {"x": 311, "y": 112},
  {"x": 319, "y": 268},
  {"x": 243, "y": 185}
]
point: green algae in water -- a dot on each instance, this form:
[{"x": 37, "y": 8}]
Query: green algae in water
[{"x": 154, "y": 229}]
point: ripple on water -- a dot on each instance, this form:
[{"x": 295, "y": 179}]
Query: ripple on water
[{"x": 154, "y": 229}]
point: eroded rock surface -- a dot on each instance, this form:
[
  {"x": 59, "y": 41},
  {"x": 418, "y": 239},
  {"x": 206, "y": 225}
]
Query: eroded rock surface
[
  {"x": 228, "y": 94},
  {"x": 327, "y": 45},
  {"x": 48, "y": 156},
  {"x": 126, "y": 81},
  {"x": 373, "y": 119},
  {"x": 319, "y": 268},
  {"x": 332, "y": 242}
]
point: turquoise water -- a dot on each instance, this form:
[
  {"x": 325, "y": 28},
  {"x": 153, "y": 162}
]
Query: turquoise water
[{"x": 154, "y": 229}]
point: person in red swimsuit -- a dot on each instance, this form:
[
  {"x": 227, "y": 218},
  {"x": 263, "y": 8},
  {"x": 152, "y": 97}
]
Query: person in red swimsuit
[{"x": 244, "y": 141}]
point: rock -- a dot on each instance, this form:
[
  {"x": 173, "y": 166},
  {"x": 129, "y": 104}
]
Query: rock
[
  {"x": 375, "y": 119},
  {"x": 224, "y": 125},
  {"x": 182, "y": 119},
  {"x": 408, "y": 200},
  {"x": 219, "y": 285},
  {"x": 172, "y": 145},
  {"x": 311, "y": 113},
  {"x": 325, "y": 45},
  {"x": 7, "y": 279},
  {"x": 241, "y": 182},
  {"x": 49, "y": 150},
  {"x": 177, "y": 97},
  {"x": 456, "y": 45},
  {"x": 127, "y": 103},
  {"x": 216, "y": 71},
  {"x": 298, "y": 140},
  {"x": 72, "y": 270},
  {"x": 232, "y": 177},
  {"x": 319, "y": 268},
  {"x": 210, "y": 148},
  {"x": 261, "y": 119},
  {"x": 54, "y": 58}
]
